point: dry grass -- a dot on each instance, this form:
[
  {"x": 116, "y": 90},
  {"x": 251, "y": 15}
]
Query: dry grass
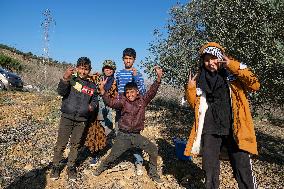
[{"x": 28, "y": 132}]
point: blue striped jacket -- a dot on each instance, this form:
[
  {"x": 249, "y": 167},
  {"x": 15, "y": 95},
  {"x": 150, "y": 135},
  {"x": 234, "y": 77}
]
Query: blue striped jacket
[{"x": 124, "y": 76}]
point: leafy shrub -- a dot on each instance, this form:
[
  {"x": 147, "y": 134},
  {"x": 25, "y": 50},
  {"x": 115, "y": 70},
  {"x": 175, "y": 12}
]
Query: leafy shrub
[{"x": 10, "y": 63}]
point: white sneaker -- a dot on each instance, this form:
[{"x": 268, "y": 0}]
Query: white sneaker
[
  {"x": 107, "y": 131},
  {"x": 139, "y": 170}
]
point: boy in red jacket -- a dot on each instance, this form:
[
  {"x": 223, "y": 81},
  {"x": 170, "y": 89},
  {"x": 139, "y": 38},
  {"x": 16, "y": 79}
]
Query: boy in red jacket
[{"x": 132, "y": 106}]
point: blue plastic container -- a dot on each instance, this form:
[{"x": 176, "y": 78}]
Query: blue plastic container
[{"x": 180, "y": 146}]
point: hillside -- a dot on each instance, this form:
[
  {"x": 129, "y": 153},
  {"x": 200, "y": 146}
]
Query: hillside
[
  {"x": 28, "y": 129},
  {"x": 34, "y": 71}
]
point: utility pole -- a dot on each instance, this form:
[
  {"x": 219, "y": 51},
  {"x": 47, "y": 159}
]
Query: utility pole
[{"x": 46, "y": 24}]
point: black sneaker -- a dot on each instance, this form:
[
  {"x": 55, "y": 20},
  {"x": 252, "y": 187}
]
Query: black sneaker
[
  {"x": 55, "y": 173},
  {"x": 155, "y": 177},
  {"x": 72, "y": 173}
]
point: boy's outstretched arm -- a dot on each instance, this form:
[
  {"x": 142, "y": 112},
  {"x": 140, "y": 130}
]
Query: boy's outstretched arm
[
  {"x": 159, "y": 72},
  {"x": 151, "y": 93},
  {"x": 64, "y": 83},
  {"x": 113, "y": 103}
]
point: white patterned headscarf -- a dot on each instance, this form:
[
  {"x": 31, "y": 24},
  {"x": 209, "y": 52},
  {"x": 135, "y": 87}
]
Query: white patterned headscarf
[{"x": 214, "y": 51}]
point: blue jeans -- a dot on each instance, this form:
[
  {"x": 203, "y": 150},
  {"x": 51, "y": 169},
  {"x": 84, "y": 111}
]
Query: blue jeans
[
  {"x": 138, "y": 159},
  {"x": 105, "y": 115}
]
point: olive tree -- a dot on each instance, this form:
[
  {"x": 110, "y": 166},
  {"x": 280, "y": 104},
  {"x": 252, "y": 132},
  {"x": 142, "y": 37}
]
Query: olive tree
[{"x": 250, "y": 31}]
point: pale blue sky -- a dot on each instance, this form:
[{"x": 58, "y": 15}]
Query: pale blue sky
[{"x": 97, "y": 29}]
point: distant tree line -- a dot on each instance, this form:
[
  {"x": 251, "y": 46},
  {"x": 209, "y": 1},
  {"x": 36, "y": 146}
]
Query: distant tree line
[
  {"x": 13, "y": 64},
  {"x": 251, "y": 31}
]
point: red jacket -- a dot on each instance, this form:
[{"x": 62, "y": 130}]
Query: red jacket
[{"x": 132, "y": 113}]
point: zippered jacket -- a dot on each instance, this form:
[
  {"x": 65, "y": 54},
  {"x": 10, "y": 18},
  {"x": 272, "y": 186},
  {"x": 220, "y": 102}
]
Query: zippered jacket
[
  {"x": 132, "y": 113},
  {"x": 77, "y": 95}
]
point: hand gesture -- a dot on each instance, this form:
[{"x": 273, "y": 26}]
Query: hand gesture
[
  {"x": 191, "y": 79},
  {"x": 102, "y": 85},
  {"x": 68, "y": 73},
  {"x": 91, "y": 108},
  {"x": 159, "y": 72},
  {"x": 134, "y": 71},
  {"x": 224, "y": 62}
]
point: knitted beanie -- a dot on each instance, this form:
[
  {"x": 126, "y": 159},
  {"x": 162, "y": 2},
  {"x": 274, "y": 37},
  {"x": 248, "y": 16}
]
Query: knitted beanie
[{"x": 212, "y": 48}]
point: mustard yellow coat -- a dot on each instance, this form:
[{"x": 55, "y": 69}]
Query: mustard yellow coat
[{"x": 243, "y": 128}]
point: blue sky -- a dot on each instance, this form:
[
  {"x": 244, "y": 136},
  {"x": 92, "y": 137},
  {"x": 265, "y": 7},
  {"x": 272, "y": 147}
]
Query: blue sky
[{"x": 97, "y": 29}]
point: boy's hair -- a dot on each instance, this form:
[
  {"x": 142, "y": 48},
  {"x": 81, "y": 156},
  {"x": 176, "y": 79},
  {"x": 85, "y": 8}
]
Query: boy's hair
[
  {"x": 129, "y": 52},
  {"x": 130, "y": 85},
  {"x": 84, "y": 61}
]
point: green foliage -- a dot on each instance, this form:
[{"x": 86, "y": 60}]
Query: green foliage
[
  {"x": 30, "y": 55},
  {"x": 250, "y": 31},
  {"x": 10, "y": 63},
  {"x": 12, "y": 49}
]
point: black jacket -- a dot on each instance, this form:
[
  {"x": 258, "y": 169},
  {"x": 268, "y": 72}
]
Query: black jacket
[{"x": 77, "y": 95}]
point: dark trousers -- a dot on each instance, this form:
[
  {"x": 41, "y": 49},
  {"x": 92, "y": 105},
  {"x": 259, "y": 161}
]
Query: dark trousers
[
  {"x": 68, "y": 128},
  {"x": 125, "y": 141},
  {"x": 240, "y": 161},
  {"x": 136, "y": 152}
]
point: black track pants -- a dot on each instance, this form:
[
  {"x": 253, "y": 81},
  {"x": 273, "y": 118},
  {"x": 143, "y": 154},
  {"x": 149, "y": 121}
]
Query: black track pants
[{"x": 240, "y": 161}]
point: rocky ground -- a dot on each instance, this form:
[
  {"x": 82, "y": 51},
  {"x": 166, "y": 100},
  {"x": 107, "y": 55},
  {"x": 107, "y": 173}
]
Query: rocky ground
[{"x": 28, "y": 129}]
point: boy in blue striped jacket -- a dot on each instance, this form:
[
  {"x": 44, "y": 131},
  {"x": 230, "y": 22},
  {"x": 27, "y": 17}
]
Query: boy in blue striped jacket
[
  {"x": 124, "y": 76},
  {"x": 129, "y": 73}
]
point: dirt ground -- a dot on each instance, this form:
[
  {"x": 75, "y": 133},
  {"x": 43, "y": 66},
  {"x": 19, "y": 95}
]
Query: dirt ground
[{"x": 28, "y": 131}]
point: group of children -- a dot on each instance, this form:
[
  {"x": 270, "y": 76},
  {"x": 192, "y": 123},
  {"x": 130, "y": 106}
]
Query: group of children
[
  {"x": 217, "y": 93},
  {"x": 87, "y": 115}
]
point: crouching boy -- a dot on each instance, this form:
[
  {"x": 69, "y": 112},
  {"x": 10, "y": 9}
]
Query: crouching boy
[{"x": 132, "y": 106}]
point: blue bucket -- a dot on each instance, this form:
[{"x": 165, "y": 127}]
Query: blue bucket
[{"x": 180, "y": 146}]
